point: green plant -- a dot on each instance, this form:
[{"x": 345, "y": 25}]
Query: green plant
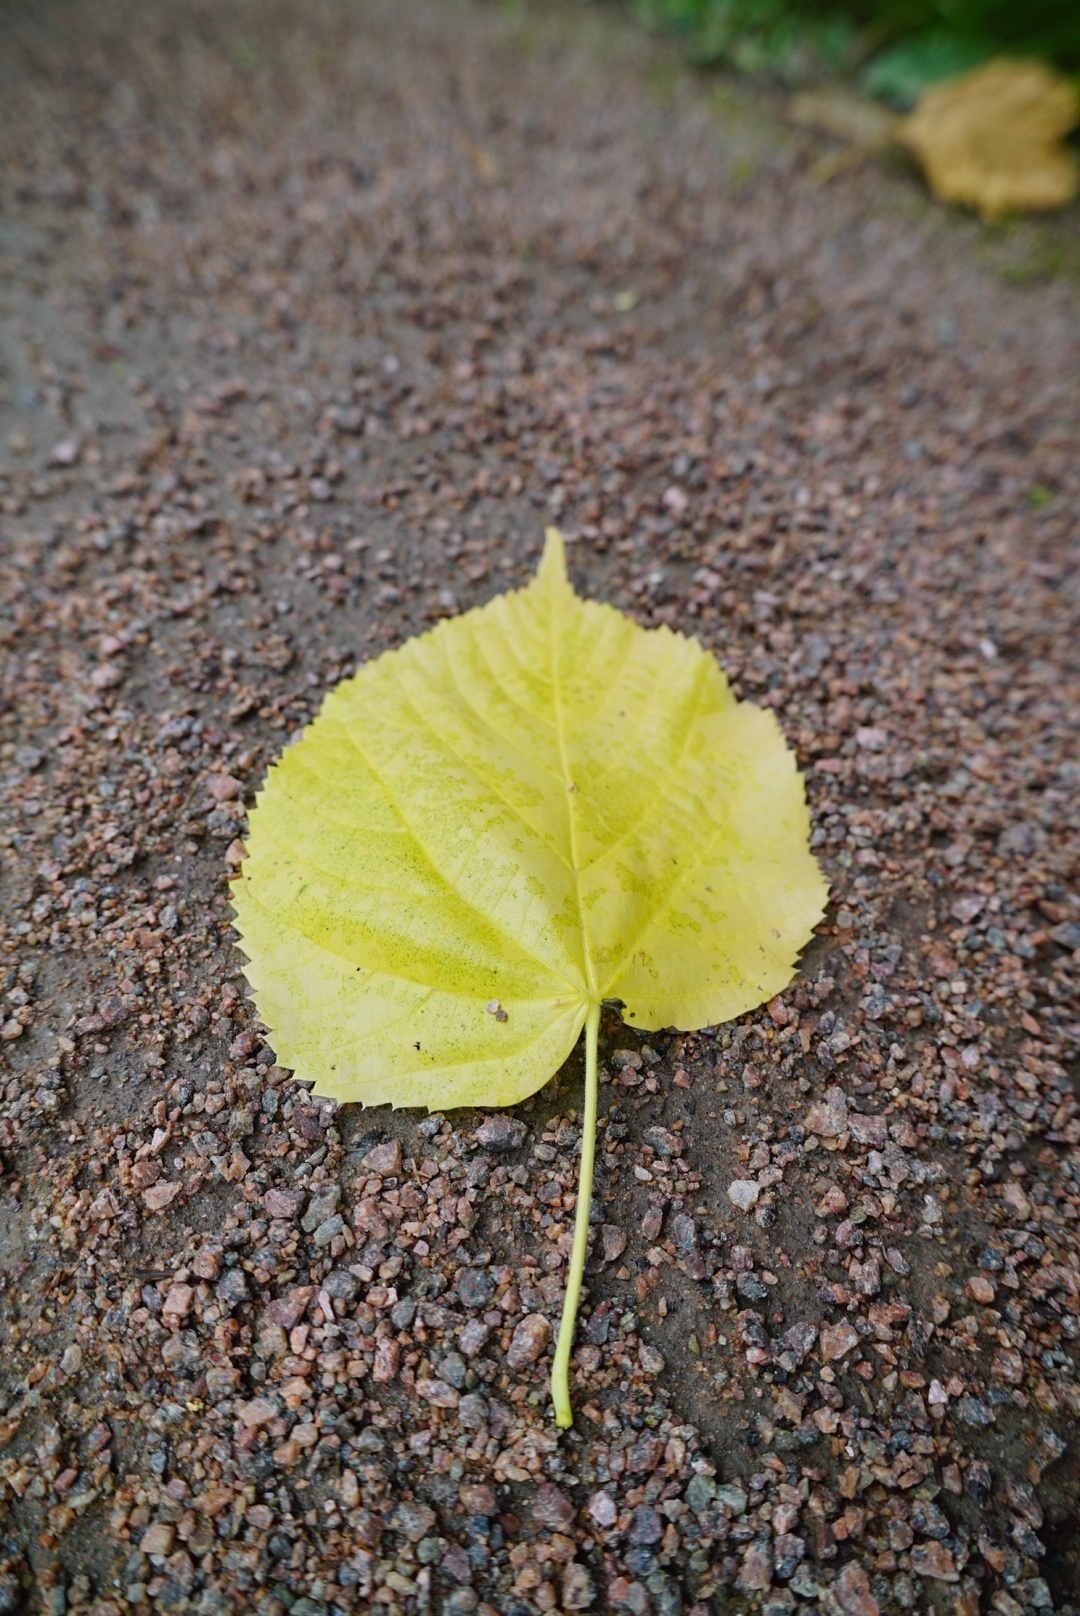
[{"x": 906, "y": 44}]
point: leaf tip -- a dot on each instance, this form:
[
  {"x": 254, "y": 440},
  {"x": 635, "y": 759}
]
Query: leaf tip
[{"x": 552, "y": 568}]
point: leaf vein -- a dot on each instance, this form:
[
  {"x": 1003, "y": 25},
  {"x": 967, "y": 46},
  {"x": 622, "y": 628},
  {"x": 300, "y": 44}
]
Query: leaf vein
[{"x": 395, "y": 806}]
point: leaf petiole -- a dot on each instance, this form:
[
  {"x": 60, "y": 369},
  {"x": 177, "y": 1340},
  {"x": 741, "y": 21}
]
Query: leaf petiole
[{"x": 560, "y": 1385}]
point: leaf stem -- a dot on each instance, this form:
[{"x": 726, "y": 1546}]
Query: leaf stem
[{"x": 560, "y": 1386}]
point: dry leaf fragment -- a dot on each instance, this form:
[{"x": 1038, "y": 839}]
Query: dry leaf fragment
[
  {"x": 534, "y": 808},
  {"x": 851, "y": 118},
  {"x": 992, "y": 139},
  {"x": 485, "y": 164}
]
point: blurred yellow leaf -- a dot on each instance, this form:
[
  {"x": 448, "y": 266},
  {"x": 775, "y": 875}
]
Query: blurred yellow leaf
[
  {"x": 992, "y": 139},
  {"x": 534, "y": 808}
]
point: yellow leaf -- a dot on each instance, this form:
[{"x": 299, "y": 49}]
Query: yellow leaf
[
  {"x": 538, "y": 804},
  {"x": 992, "y": 139},
  {"x": 536, "y": 807}
]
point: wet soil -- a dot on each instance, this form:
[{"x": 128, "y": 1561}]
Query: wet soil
[{"x": 309, "y": 322}]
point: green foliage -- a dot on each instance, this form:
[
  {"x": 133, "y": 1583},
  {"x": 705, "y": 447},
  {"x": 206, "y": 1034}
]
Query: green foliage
[
  {"x": 755, "y": 36},
  {"x": 901, "y": 73},
  {"x": 905, "y": 44}
]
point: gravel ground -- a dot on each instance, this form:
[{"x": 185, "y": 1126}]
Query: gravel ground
[{"x": 309, "y": 320}]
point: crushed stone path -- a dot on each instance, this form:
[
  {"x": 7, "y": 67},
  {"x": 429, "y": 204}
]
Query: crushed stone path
[{"x": 310, "y": 319}]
